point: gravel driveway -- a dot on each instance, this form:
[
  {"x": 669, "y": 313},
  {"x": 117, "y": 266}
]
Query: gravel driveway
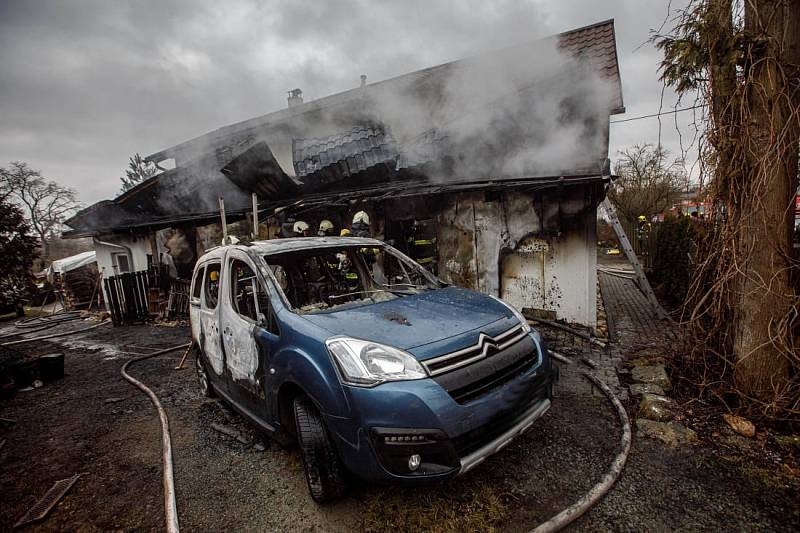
[{"x": 93, "y": 421}]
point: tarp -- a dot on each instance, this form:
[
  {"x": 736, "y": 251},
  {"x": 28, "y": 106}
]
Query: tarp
[{"x": 60, "y": 266}]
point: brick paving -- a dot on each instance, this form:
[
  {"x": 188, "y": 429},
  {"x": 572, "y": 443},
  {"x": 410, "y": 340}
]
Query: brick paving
[
  {"x": 631, "y": 322},
  {"x": 629, "y": 312}
]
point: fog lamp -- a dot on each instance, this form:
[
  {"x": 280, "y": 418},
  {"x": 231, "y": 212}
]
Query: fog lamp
[{"x": 414, "y": 461}]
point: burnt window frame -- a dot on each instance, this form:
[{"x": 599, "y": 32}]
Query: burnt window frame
[
  {"x": 261, "y": 307},
  {"x": 197, "y": 284},
  {"x": 204, "y": 300},
  {"x": 267, "y": 283}
]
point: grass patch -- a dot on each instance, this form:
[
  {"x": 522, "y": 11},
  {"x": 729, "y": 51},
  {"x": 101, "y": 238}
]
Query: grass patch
[{"x": 454, "y": 507}]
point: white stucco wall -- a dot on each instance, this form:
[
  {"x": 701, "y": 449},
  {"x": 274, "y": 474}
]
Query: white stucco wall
[{"x": 137, "y": 250}]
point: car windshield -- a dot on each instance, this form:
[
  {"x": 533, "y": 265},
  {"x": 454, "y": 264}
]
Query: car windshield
[{"x": 331, "y": 279}]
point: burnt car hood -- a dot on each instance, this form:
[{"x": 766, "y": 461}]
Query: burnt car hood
[{"x": 417, "y": 320}]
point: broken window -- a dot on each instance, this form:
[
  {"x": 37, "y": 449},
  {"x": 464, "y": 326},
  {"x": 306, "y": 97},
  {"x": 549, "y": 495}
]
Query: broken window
[
  {"x": 248, "y": 295},
  {"x": 390, "y": 271},
  {"x": 198, "y": 283},
  {"x": 212, "y": 285},
  {"x": 324, "y": 279}
]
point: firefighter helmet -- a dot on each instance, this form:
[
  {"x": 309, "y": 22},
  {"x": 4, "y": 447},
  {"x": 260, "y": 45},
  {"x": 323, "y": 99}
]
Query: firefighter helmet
[
  {"x": 300, "y": 226},
  {"x": 361, "y": 217},
  {"x": 344, "y": 233},
  {"x": 326, "y": 225}
]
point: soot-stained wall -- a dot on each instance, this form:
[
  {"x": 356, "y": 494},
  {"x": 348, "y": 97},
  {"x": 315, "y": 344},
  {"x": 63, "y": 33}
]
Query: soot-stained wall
[{"x": 534, "y": 250}]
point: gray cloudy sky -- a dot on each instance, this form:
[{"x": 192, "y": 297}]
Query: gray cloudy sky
[{"x": 85, "y": 84}]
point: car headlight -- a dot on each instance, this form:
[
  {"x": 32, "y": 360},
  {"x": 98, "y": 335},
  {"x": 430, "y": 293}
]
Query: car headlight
[
  {"x": 524, "y": 321},
  {"x": 366, "y": 363}
]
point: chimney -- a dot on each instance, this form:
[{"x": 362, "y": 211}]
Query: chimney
[
  {"x": 295, "y": 97},
  {"x": 363, "y": 80}
]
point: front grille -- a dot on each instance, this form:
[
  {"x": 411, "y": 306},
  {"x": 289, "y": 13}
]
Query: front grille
[
  {"x": 470, "y": 441},
  {"x": 481, "y": 386},
  {"x": 480, "y": 350},
  {"x": 466, "y": 377}
]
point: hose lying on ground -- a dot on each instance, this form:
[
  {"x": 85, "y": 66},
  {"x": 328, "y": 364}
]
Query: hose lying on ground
[
  {"x": 568, "y": 329},
  {"x": 40, "y": 323},
  {"x": 574, "y": 511},
  {"x": 55, "y": 318},
  {"x": 618, "y": 275},
  {"x": 54, "y": 335},
  {"x": 170, "y": 507}
]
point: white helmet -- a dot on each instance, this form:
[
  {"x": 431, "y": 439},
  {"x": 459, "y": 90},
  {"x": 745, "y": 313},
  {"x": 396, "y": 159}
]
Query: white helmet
[
  {"x": 299, "y": 226},
  {"x": 326, "y": 225},
  {"x": 362, "y": 217}
]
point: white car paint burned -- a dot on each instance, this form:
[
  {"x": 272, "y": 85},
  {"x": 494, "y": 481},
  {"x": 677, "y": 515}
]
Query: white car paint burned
[
  {"x": 237, "y": 331},
  {"x": 211, "y": 345}
]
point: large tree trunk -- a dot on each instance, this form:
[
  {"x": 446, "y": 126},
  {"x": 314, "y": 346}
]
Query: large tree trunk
[
  {"x": 764, "y": 246},
  {"x": 722, "y": 69}
]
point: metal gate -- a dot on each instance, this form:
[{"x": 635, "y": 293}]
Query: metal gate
[{"x": 127, "y": 297}]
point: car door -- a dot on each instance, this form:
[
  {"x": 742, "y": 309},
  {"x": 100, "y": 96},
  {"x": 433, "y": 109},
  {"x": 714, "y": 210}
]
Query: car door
[
  {"x": 246, "y": 338},
  {"x": 210, "y": 340}
]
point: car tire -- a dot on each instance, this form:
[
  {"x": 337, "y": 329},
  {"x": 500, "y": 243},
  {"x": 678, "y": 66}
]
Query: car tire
[
  {"x": 206, "y": 389},
  {"x": 323, "y": 469}
]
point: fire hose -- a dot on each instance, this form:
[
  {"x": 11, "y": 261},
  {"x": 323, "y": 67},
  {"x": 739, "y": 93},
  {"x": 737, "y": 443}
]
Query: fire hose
[
  {"x": 40, "y": 323},
  {"x": 170, "y": 507},
  {"x": 568, "y": 329},
  {"x": 596, "y": 493},
  {"x": 54, "y": 335}
]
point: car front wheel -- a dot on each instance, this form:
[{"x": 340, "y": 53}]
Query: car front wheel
[{"x": 323, "y": 469}]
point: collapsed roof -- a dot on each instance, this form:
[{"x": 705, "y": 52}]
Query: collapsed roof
[{"x": 537, "y": 111}]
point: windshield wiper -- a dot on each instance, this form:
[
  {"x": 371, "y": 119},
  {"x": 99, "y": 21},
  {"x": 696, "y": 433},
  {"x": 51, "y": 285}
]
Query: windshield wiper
[
  {"x": 337, "y": 296},
  {"x": 407, "y": 285}
]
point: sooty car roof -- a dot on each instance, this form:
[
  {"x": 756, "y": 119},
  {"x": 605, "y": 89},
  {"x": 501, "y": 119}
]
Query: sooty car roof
[{"x": 277, "y": 246}]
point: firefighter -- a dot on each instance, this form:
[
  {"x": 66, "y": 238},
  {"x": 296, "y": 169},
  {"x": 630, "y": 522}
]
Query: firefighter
[
  {"x": 360, "y": 226},
  {"x": 301, "y": 229},
  {"x": 642, "y": 230},
  {"x": 346, "y": 270},
  {"x": 422, "y": 246},
  {"x": 325, "y": 228}
]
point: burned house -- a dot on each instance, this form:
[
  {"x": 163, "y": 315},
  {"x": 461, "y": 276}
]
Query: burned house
[{"x": 487, "y": 170}]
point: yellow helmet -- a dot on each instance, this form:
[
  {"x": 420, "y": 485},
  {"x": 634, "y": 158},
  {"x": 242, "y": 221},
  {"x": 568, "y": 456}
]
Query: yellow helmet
[
  {"x": 642, "y": 217},
  {"x": 344, "y": 233}
]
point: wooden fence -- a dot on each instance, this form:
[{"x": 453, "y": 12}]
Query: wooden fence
[
  {"x": 127, "y": 296},
  {"x": 136, "y": 296}
]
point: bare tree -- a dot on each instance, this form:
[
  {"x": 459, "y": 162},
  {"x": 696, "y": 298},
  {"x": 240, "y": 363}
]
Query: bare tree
[
  {"x": 47, "y": 204},
  {"x": 138, "y": 170},
  {"x": 648, "y": 181}
]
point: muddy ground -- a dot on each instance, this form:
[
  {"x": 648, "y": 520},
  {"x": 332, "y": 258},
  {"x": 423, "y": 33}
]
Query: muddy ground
[{"x": 93, "y": 421}]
